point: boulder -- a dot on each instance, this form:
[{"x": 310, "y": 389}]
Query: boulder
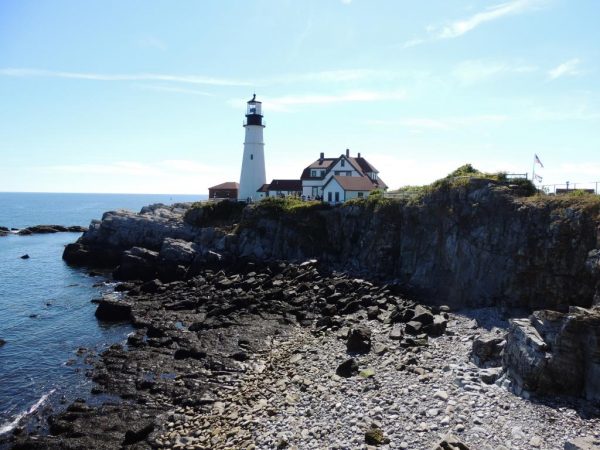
[
  {"x": 359, "y": 340},
  {"x": 2, "y": 342},
  {"x": 137, "y": 264},
  {"x": 113, "y": 310},
  {"x": 556, "y": 353},
  {"x": 422, "y": 315},
  {"x": 347, "y": 368},
  {"x": 25, "y": 256},
  {"x": 413, "y": 327},
  {"x": 487, "y": 350},
  {"x": 375, "y": 436}
]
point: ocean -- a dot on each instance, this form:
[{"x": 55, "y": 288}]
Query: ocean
[{"x": 46, "y": 315}]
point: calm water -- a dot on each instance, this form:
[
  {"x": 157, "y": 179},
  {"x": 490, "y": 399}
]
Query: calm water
[{"x": 45, "y": 309}]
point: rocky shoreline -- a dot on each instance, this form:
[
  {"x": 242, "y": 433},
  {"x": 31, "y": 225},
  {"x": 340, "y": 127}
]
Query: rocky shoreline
[
  {"x": 250, "y": 357},
  {"x": 329, "y": 328}
]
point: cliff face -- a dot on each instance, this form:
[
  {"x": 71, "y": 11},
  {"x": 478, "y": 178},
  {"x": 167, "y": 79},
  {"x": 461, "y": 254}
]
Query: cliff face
[
  {"x": 470, "y": 246},
  {"x": 474, "y": 245}
]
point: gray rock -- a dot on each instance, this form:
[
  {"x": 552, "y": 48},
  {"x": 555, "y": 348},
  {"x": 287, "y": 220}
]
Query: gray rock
[
  {"x": 450, "y": 442},
  {"x": 487, "y": 350},
  {"x": 556, "y": 353},
  {"x": 359, "y": 340},
  {"x": 583, "y": 443}
]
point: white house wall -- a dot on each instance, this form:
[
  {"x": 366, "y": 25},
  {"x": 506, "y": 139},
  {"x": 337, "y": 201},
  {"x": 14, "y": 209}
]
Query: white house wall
[
  {"x": 307, "y": 185},
  {"x": 332, "y": 188}
]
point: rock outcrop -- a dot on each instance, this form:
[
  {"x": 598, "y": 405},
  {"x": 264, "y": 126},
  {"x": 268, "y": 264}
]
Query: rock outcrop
[
  {"x": 556, "y": 353},
  {"x": 474, "y": 245}
]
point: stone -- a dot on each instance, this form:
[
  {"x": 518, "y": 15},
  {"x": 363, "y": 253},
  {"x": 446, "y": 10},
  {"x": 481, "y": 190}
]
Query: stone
[
  {"x": 487, "y": 350},
  {"x": 347, "y": 368},
  {"x": 423, "y": 315},
  {"x": 137, "y": 263},
  {"x": 450, "y": 442},
  {"x": 375, "y": 436},
  {"x": 2, "y": 342},
  {"x": 556, "y": 353},
  {"x": 583, "y": 443},
  {"x": 25, "y": 256},
  {"x": 380, "y": 349},
  {"x": 413, "y": 327},
  {"x": 396, "y": 333},
  {"x": 490, "y": 375},
  {"x": 367, "y": 373},
  {"x": 359, "y": 340},
  {"x": 113, "y": 310}
]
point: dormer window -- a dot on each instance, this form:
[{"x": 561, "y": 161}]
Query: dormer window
[{"x": 313, "y": 173}]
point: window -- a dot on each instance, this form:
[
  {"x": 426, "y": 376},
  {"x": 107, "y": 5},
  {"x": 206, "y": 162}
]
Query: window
[
  {"x": 360, "y": 195},
  {"x": 337, "y": 197},
  {"x": 251, "y": 157},
  {"x": 343, "y": 163},
  {"x": 315, "y": 191},
  {"x": 348, "y": 173},
  {"x": 313, "y": 173},
  {"x": 329, "y": 197},
  {"x": 338, "y": 172},
  {"x": 322, "y": 173}
]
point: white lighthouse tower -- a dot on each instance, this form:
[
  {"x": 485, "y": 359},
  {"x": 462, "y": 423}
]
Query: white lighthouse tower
[{"x": 253, "y": 165}]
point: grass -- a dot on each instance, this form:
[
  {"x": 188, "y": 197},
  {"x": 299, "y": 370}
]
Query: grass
[
  {"x": 205, "y": 214},
  {"x": 289, "y": 205}
]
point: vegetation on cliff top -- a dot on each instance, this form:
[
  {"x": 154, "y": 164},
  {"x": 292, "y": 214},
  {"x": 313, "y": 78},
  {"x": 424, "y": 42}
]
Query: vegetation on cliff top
[{"x": 206, "y": 214}]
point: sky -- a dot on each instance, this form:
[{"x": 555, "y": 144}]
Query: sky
[{"x": 149, "y": 97}]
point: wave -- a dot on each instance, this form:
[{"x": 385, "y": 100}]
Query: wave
[{"x": 8, "y": 426}]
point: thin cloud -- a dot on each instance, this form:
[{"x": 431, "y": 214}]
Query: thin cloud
[
  {"x": 463, "y": 26},
  {"x": 284, "y": 103},
  {"x": 568, "y": 68},
  {"x": 152, "y": 42},
  {"x": 190, "y": 79},
  {"x": 177, "y": 90},
  {"x": 496, "y": 12},
  {"x": 332, "y": 76},
  {"x": 468, "y": 72},
  {"x": 441, "y": 124}
]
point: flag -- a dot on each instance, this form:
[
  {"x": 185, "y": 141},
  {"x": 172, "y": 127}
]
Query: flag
[
  {"x": 537, "y": 177},
  {"x": 536, "y": 160}
]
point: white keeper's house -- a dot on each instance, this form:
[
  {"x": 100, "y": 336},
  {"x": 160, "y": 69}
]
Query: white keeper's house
[{"x": 339, "y": 179}]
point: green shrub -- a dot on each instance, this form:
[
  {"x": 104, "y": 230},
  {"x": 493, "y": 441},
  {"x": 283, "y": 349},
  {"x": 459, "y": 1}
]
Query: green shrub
[{"x": 206, "y": 214}]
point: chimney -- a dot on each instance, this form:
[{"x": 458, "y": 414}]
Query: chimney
[
  {"x": 347, "y": 152},
  {"x": 358, "y": 155},
  {"x": 322, "y": 157}
]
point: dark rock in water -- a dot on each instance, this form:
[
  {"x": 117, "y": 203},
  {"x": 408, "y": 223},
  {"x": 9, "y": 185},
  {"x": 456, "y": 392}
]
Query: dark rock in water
[
  {"x": 347, "y": 368},
  {"x": 92, "y": 255},
  {"x": 359, "y": 340},
  {"x": 487, "y": 350},
  {"x": 137, "y": 264},
  {"x": 112, "y": 310},
  {"x": 2, "y": 342},
  {"x": 450, "y": 442},
  {"x": 76, "y": 229},
  {"x": 556, "y": 353},
  {"x": 25, "y": 256}
]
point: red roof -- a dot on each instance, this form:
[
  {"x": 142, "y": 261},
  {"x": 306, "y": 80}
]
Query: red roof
[
  {"x": 285, "y": 185},
  {"x": 227, "y": 185},
  {"x": 319, "y": 164},
  {"x": 353, "y": 183},
  {"x": 263, "y": 188}
]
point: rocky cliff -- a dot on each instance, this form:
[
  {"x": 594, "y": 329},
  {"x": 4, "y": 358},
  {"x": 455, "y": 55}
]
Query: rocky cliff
[{"x": 479, "y": 243}]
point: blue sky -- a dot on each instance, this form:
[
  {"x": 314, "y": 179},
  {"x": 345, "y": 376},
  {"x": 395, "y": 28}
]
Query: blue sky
[{"x": 138, "y": 96}]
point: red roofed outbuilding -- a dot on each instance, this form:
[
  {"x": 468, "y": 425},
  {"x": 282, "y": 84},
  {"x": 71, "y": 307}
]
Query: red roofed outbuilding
[{"x": 228, "y": 190}]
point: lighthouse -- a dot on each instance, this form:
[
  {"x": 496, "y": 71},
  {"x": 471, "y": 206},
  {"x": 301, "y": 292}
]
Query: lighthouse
[{"x": 253, "y": 163}]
